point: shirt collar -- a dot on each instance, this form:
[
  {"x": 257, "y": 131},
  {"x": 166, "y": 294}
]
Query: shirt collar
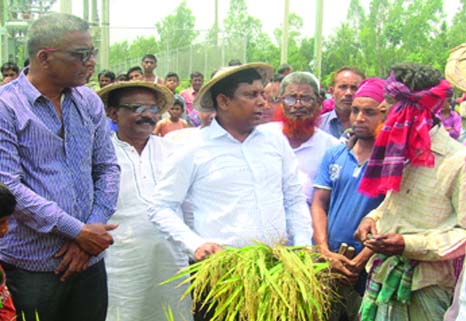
[
  {"x": 31, "y": 92},
  {"x": 332, "y": 116},
  {"x": 215, "y": 130}
]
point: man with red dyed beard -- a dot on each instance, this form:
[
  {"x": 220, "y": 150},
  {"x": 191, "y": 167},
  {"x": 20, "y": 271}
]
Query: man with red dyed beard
[{"x": 301, "y": 102}]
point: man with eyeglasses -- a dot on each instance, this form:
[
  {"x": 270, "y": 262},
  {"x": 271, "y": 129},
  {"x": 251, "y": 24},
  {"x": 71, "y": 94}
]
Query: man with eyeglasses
[
  {"x": 297, "y": 120},
  {"x": 58, "y": 160},
  {"x": 141, "y": 257}
]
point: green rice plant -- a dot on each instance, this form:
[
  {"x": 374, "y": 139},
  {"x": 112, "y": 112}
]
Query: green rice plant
[{"x": 261, "y": 283}]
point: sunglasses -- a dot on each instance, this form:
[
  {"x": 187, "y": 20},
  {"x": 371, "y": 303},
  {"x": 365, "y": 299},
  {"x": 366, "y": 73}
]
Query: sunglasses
[
  {"x": 139, "y": 109},
  {"x": 84, "y": 55}
]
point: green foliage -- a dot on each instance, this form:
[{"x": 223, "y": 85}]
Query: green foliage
[
  {"x": 393, "y": 31},
  {"x": 390, "y": 32},
  {"x": 177, "y": 30},
  {"x": 260, "y": 283}
]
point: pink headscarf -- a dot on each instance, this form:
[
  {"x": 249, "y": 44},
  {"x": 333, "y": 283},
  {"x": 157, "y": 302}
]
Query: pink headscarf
[{"x": 371, "y": 88}]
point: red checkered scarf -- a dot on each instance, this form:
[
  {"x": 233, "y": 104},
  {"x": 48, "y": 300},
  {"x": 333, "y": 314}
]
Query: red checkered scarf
[{"x": 404, "y": 136}]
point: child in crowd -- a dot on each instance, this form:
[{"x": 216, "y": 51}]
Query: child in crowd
[
  {"x": 135, "y": 73},
  {"x": 7, "y": 207},
  {"x": 172, "y": 81},
  {"x": 450, "y": 120},
  {"x": 174, "y": 122}
]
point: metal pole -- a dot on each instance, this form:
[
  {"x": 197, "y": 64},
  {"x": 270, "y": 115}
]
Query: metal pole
[
  {"x": 318, "y": 38},
  {"x": 3, "y": 31},
  {"x": 105, "y": 43},
  {"x": 66, "y": 7},
  {"x": 216, "y": 23},
  {"x": 86, "y": 10},
  {"x": 284, "y": 51}
]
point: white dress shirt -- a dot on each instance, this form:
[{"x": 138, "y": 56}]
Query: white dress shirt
[
  {"x": 142, "y": 256},
  {"x": 240, "y": 192}
]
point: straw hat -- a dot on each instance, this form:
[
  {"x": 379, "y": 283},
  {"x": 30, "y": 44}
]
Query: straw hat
[
  {"x": 163, "y": 95},
  {"x": 455, "y": 70},
  {"x": 204, "y": 103}
]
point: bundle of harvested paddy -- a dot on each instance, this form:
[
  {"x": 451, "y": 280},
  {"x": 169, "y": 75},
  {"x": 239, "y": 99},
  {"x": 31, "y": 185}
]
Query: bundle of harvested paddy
[{"x": 261, "y": 283}]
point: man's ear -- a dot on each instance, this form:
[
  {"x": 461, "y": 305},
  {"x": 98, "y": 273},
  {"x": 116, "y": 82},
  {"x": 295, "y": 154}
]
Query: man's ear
[
  {"x": 42, "y": 57},
  {"x": 112, "y": 113},
  {"x": 223, "y": 101}
]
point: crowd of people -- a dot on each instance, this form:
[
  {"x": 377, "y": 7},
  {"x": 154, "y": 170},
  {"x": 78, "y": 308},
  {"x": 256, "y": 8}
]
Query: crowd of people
[{"x": 107, "y": 193}]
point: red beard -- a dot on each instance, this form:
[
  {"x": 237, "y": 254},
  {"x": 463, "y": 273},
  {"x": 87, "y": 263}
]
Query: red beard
[{"x": 297, "y": 128}]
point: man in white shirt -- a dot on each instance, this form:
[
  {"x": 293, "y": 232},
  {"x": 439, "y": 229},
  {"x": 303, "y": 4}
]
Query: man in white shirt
[
  {"x": 298, "y": 118},
  {"x": 141, "y": 257},
  {"x": 240, "y": 179}
]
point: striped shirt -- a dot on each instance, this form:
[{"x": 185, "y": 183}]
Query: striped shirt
[
  {"x": 429, "y": 212},
  {"x": 63, "y": 174}
]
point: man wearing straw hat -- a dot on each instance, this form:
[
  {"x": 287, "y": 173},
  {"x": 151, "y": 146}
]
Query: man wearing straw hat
[
  {"x": 240, "y": 179},
  {"x": 141, "y": 256}
]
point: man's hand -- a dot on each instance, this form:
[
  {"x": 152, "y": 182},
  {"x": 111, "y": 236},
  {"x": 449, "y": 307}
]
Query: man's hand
[
  {"x": 94, "y": 238},
  {"x": 205, "y": 250},
  {"x": 388, "y": 244},
  {"x": 341, "y": 264},
  {"x": 365, "y": 228},
  {"x": 75, "y": 260}
]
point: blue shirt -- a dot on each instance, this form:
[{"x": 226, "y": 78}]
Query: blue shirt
[
  {"x": 330, "y": 123},
  {"x": 63, "y": 175},
  {"x": 340, "y": 173}
]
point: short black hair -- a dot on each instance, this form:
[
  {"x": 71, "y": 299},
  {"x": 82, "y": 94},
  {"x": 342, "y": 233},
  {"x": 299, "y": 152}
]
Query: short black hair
[
  {"x": 354, "y": 70},
  {"x": 150, "y": 56},
  {"x": 234, "y": 62},
  {"x": 122, "y": 77},
  {"x": 173, "y": 74},
  {"x": 283, "y": 68},
  {"x": 196, "y": 74},
  {"x": 135, "y": 68},
  {"x": 278, "y": 77},
  {"x": 107, "y": 73},
  {"x": 228, "y": 85},
  {"x": 7, "y": 201},
  {"x": 179, "y": 101},
  {"x": 9, "y": 66}
]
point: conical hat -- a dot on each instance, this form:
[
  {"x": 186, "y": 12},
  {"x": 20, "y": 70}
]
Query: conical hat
[{"x": 455, "y": 70}]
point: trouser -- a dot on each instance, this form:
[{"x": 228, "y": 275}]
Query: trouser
[
  {"x": 427, "y": 304},
  {"x": 83, "y": 297}
]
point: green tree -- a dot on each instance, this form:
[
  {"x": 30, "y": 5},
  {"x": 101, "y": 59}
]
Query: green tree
[
  {"x": 240, "y": 27},
  {"x": 177, "y": 30},
  {"x": 455, "y": 36}
]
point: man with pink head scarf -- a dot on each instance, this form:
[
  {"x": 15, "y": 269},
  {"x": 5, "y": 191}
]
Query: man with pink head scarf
[{"x": 337, "y": 207}]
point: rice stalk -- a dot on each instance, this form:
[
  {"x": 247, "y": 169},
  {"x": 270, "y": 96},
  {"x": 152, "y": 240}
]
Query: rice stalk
[{"x": 261, "y": 283}]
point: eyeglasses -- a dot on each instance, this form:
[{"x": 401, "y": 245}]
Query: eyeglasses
[
  {"x": 292, "y": 100},
  {"x": 136, "y": 108},
  {"x": 84, "y": 55}
]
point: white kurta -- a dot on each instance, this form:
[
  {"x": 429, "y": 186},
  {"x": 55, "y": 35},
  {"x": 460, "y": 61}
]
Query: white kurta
[{"x": 141, "y": 256}]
